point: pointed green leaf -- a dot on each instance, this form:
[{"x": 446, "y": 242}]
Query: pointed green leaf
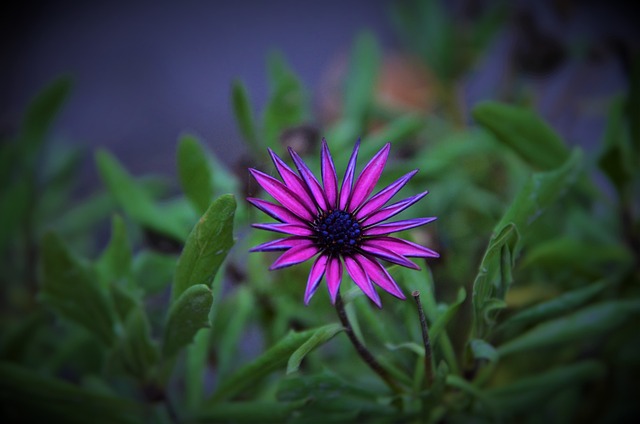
[
  {"x": 533, "y": 392},
  {"x": 243, "y": 112},
  {"x": 134, "y": 352},
  {"x": 115, "y": 262},
  {"x": 134, "y": 201},
  {"x": 438, "y": 327},
  {"x": 206, "y": 247},
  {"x": 483, "y": 350},
  {"x": 319, "y": 338},
  {"x": 36, "y": 398},
  {"x": 194, "y": 173},
  {"x": 186, "y": 316},
  {"x": 362, "y": 77},
  {"x": 231, "y": 330},
  {"x": 524, "y": 132},
  {"x": 73, "y": 291},
  {"x": 588, "y": 323},
  {"x": 274, "y": 358}
]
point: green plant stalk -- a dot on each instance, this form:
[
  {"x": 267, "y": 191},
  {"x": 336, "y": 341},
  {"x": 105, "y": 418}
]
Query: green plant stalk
[
  {"x": 364, "y": 353},
  {"x": 428, "y": 364}
]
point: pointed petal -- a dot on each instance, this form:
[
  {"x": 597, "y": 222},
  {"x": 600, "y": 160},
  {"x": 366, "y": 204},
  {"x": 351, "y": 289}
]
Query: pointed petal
[
  {"x": 362, "y": 280},
  {"x": 315, "y": 275},
  {"x": 312, "y": 183},
  {"x": 280, "y": 244},
  {"x": 329, "y": 177},
  {"x": 403, "y": 247},
  {"x": 333, "y": 276},
  {"x": 295, "y": 255},
  {"x": 369, "y": 177},
  {"x": 275, "y": 211},
  {"x": 392, "y": 227},
  {"x": 392, "y": 210},
  {"x": 388, "y": 255},
  {"x": 383, "y": 196},
  {"x": 293, "y": 229},
  {"x": 293, "y": 182},
  {"x": 379, "y": 275},
  {"x": 347, "y": 181},
  {"x": 282, "y": 194}
]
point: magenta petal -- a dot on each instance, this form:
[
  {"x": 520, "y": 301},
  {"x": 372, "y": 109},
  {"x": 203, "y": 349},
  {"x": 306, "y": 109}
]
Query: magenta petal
[
  {"x": 293, "y": 182},
  {"x": 315, "y": 274},
  {"x": 392, "y": 210},
  {"x": 329, "y": 177},
  {"x": 388, "y": 255},
  {"x": 392, "y": 227},
  {"x": 361, "y": 279},
  {"x": 280, "y": 244},
  {"x": 379, "y": 275},
  {"x": 295, "y": 255},
  {"x": 275, "y": 211},
  {"x": 333, "y": 276},
  {"x": 369, "y": 177},
  {"x": 382, "y": 197},
  {"x": 347, "y": 181},
  {"x": 312, "y": 183},
  {"x": 402, "y": 247},
  {"x": 282, "y": 194},
  {"x": 293, "y": 229}
]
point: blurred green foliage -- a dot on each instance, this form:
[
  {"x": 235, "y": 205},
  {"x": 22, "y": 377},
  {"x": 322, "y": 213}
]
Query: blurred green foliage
[{"x": 532, "y": 308}]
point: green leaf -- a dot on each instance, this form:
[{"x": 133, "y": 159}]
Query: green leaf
[
  {"x": 533, "y": 392},
  {"x": 274, "y": 358},
  {"x": 483, "y": 350},
  {"x": 439, "y": 326},
  {"x": 231, "y": 328},
  {"x": 244, "y": 113},
  {"x": 135, "y": 201},
  {"x": 195, "y": 369},
  {"x": 287, "y": 104},
  {"x": 115, "y": 262},
  {"x": 153, "y": 271},
  {"x": 134, "y": 352},
  {"x": 586, "y": 324},
  {"x": 206, "y": 247},
  {"x": 397, "y": 131},
  {"x": 14, "y": 207},
  {"x": 35, "y": 398},
  {"x": 524, "y": 132},
  {"x": 73, "y": 291},
  {"x": 249, "y": 412},
  {"x": 493, "y": 279},
  {"x": 543, "y": 189},
  {"x": 194, "y": 173},
  {"x": 361, "y": 78},
  {"x": 616, "y": 158},
  {"x": 320, "y": 337},
  {"x": 188, "y": 314}
]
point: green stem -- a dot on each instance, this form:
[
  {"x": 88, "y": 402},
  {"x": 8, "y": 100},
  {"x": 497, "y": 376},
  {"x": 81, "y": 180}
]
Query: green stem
[
  {"x": 428, "y": 368},
  {"x": 364, "y": 353}
]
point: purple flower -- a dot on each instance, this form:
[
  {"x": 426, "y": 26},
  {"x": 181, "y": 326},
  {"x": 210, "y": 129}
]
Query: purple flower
[{"x": 339, "y": 225}]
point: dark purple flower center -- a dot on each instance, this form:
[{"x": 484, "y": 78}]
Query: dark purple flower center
[{"x": 337, "y": 232}]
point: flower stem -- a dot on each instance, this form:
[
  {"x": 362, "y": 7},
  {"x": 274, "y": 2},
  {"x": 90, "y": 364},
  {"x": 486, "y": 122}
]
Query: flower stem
[
  {"x": 428, "y": 369},
  {"x": 362, "y": 350}
]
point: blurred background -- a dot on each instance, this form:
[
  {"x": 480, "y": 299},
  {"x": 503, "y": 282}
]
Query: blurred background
[{"x": 144, "y": 72}]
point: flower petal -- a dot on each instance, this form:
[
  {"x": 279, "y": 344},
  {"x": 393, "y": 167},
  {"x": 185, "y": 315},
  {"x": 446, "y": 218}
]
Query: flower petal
[
  {"x": 392, "y": 210},
  {"x": 403, "y": 247},
  {"x": 388, "y": 255},
  {"x": 280, "y": 244},
  {"x": 329, "y": 177},
  {"x": 392, "y": 227},
  {"x": 347, "y": 181},
  {"x": 312, "y": 183},
  {"x": 315, "y": 275},
  {"x": 275, "y": 211},
  {"x": 383, "y": 196},
  {"x": 379, "y": 275},
  {"x": 333, "y": 276},
  {"x": 369, "y": 177},
  {"x": 293, "y": 229},
  {"x": 293, "y": 182},
  {"x": 295, "y": 255},
  {"x": 362, "y": 280},
  {"x": 282, "y": 194}
]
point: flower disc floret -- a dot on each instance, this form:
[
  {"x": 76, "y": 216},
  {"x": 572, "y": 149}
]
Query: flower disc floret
[{"x": 338, "y": 232}]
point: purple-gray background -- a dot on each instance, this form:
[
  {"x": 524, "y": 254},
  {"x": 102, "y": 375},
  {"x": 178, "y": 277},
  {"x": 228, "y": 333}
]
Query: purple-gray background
[{"x": 146, "y": 71}]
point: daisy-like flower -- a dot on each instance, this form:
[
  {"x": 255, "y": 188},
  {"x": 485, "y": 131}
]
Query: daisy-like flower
[{"x": 339, "y": 226}]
